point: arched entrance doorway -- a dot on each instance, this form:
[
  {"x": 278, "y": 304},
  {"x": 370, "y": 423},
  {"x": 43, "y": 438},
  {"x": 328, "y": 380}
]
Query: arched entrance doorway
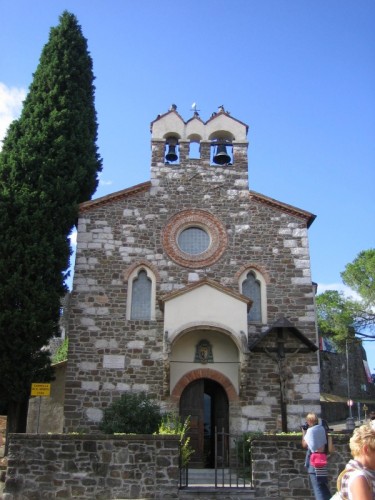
[{"x": 206, "y": 403}]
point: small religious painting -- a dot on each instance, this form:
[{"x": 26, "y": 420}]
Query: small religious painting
[{"x": 203, "y": 352}]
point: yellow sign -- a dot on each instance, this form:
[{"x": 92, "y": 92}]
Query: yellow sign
[{"x": 40, "y": 389}]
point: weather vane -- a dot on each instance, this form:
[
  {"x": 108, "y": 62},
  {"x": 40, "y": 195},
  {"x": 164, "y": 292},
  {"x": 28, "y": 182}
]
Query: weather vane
[{"x": 194, "y": 108}]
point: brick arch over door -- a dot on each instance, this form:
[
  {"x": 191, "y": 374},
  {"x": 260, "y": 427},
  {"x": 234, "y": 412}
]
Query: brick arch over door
[{"x": 204, "y": 373}]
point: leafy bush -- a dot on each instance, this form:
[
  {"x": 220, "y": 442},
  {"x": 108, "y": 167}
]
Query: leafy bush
[
  {"x": 61, "y": 353},
  {"x": 243, "y": 446},
  {"x": 133, "y": 413},
  {"x": 172, "y": 424}
]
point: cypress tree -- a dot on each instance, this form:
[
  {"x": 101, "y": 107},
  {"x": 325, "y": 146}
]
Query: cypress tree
[{"x": 48, "y": 165}]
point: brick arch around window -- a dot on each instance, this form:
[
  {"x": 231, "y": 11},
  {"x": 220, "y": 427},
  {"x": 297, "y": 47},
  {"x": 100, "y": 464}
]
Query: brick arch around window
[
  {"x": 137, "y": 264},
  {"x": 200, "y": 373},
  {"x": 131, "y": 275},
  {"x": 195, "y": 218},
  {"x": 256, "y": 267},
  {"x": 258, "y": 292}
]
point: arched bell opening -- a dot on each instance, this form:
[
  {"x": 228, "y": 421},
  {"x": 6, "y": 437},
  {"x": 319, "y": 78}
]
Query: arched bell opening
[
  {"x": 171, "y": 149},
  {"x": 221, "y": 148},
  {"x": 222, "y": 153},
  {"x": 194, "y": 147}
]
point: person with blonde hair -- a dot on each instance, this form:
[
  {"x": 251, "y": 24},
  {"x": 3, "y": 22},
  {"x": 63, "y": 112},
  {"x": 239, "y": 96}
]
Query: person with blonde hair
[
  {"x": 358, "y": 478},
  {"x": 314, "y": 438}
]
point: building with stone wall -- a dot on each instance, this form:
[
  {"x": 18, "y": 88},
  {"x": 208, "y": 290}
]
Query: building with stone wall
[
  {"x": 345, "y": 376},
  {"x": 346, "y": 373},
  {"x": 195, "y": 289}
]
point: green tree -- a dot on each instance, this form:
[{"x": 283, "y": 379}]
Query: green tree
[
  {"x": 345, "y": 318},
  {"x": 359, "y": 275},
  {"x": 48, "y": 165},
  {"x": 336, "y": 316}
]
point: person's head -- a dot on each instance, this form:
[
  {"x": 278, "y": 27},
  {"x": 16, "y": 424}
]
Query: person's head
[
  {"x": 312, "y": 419},
  {"x": 362, "y": 444}
]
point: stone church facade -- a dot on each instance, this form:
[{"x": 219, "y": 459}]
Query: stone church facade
[{"x": 196, "y": 290}]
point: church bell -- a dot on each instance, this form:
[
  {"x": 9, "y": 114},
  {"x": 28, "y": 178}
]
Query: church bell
[
  {"x": 221, "y": 157},
  {"x": 171, "y": 155}
]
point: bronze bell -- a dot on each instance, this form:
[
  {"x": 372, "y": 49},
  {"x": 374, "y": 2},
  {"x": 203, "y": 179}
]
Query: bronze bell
[
  {"x": 171, "y": 155},
  {"x": 221, "y": 157}
]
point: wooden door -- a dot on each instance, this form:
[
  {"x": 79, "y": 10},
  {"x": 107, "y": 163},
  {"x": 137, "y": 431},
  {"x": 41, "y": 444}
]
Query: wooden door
[
  {"x": 192, "y": 406},
  {"x": 206, "y": 403},
  {"x": 221, "y": 423}
]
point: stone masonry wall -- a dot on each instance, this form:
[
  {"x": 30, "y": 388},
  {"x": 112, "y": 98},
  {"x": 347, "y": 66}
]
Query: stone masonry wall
[
  {"x": 106, "y": 467},
  {"x": 94, "y": 467},
  {"x": 336, "y": 370},
  {"x": 110, "y": 354},
  {"x": 279, "y": 471}
]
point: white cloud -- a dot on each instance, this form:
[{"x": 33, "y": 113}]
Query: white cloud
[
  {"x": 103, "y": 182},
  {"x": 340, "y": 287},
  {"x": 11, "y": 99}
]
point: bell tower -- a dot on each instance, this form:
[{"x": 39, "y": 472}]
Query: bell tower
[{"x": 221, "y": 143}]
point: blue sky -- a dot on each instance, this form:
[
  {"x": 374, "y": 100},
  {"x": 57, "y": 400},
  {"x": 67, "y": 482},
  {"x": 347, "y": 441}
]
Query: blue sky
[{"x": 300, "y": 73}]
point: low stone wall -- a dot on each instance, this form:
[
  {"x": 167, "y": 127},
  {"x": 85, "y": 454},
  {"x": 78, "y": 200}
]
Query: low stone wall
[
  {"x": 278, "y": 466},
  {"x": 98, "y": 467},
  {"x": 92, "y": 467}
]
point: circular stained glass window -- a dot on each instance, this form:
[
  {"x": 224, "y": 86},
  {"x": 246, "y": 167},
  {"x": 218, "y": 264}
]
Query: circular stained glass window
[{"x": 193, "y": 240}]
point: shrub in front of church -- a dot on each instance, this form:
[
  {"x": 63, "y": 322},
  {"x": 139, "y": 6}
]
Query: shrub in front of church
[
  {"x": 172, "y": 424},
  {"x": 133, "y": 413},
  {"x": 61, "y": 353}
]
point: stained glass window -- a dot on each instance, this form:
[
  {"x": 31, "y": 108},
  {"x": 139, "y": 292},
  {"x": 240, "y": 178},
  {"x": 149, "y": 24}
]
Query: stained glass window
[
  {"x": 251, "y": 288},
  {"x": 193, "y": 240},
  {"x": 141, "y": 297}
]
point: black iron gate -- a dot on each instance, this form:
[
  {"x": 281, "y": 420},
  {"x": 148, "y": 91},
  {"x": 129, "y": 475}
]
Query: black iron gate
[
  {"x": 232, "y": 460},
  {"x": 232, "y": 465}
]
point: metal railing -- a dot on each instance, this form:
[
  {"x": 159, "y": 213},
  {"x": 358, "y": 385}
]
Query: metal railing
[
  {"x": 184, "y": 475},
  {"x": 232, "y": 464},
  {"x": 233, "y": 452}
]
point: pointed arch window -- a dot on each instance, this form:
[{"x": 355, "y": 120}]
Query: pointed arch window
[
  {"x": 141, "y": 295},
  {"x": 253, "y": 285}
]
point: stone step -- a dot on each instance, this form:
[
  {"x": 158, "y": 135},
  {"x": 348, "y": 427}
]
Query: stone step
[
  {"x": 218, "y": 493},
  {"x": 206, "y": 477}
]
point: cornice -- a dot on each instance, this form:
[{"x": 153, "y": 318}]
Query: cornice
[{"x": 118, "y": 195}]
